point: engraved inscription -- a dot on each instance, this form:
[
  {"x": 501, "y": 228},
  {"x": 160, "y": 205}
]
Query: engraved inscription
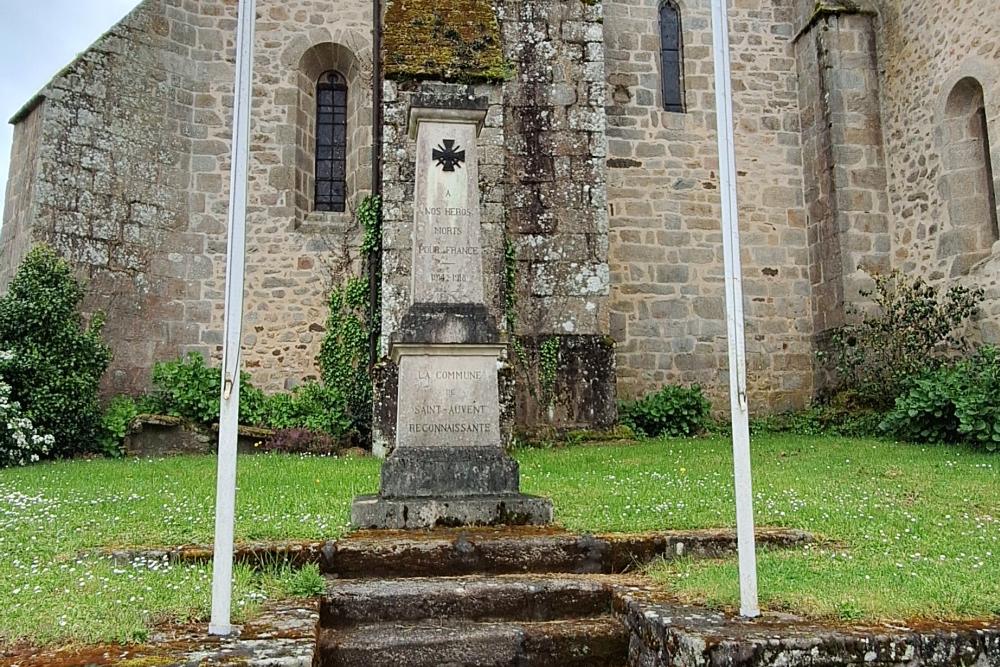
[
  {"x": 449, "y": 401},
  {"x": 447, "y": 252}
]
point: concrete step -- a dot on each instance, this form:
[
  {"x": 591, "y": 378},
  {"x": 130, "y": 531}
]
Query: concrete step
[
  {"x": 473, "y": 598},
  {"x": 593, "y": 642}
]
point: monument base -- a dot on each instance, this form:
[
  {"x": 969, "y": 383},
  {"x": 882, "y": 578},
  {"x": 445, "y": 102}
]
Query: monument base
[
  {"x": 448, "y": 472},
  {"x": 409, "y": 513}
]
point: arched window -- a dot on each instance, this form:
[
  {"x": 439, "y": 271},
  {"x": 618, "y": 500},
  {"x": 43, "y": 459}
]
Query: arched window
[
  {"x": 331, "y": 142},
  {"x": 671, "y": 57},
  {"x": 968, "y": 175}
]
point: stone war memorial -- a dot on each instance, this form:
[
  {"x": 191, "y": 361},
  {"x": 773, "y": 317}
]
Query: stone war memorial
[
  {"x": 485, "y": 336},
  {"x": 448, "y": 467}
]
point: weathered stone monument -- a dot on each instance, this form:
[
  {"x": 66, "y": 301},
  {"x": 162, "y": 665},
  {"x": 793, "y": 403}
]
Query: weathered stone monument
[{"x": 449, "y": 466}]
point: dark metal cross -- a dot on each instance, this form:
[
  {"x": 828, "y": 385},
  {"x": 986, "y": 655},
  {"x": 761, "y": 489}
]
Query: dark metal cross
[{"x": 448, "y": 156}]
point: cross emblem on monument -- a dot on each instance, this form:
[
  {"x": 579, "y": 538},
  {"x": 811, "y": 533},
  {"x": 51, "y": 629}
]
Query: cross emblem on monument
[{"x": 448, "y": 156}]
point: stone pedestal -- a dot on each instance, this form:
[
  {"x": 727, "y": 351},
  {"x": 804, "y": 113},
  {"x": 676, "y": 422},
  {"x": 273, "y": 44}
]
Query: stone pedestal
[{"x": 448, "y": 467}]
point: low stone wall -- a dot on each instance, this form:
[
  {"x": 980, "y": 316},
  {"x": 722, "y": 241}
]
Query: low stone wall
[
  {"x": 155, "y": 436},
  {"x": 673, "y": 634}
]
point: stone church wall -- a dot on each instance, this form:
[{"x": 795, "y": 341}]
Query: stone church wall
[
  {"x": 926, "y": 49},
  {"x": 132, "y": 181},
  {"x": 845, "y": 174},
  {"x": 667, "y": 304},
  {"x": 15, "y": 235},
  {"x": 542, "y": 188}
]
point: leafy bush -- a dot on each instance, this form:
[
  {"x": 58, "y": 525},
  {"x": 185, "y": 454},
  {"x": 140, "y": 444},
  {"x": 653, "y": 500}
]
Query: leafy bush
[
  {"x": 915, "y": 329},
  {"x": 115, "y": 423},
  {"x": 343, "y": 355},
  {"x": 673, "y": 411},
  {"x": 955, "y": 403},
  {"x": 57, "y": 361},
  {"x": 20, "y": 442},
  {"x": 310, "y": 406},
  {"x": 299, "y": 441},
  {"x": 188, "y": 388}
]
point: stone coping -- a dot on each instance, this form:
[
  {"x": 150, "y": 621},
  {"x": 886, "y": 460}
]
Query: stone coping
[
  {"x": 458, "y": 551},
  {"x": 667, "y": 633}
]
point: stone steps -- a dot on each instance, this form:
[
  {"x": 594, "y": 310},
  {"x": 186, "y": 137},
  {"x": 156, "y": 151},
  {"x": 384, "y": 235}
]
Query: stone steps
[
  {"x": 471, "y": 598},
  {"x": 483, "y": 620},
  {"x": 590, "y": 642}
]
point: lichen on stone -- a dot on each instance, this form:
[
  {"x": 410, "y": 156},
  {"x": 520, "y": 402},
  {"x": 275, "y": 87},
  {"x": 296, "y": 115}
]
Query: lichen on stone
[{"x": 451, "y": 40}]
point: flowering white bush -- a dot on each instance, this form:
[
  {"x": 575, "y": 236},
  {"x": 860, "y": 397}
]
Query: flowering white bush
[{"x": 20, "y": 442}]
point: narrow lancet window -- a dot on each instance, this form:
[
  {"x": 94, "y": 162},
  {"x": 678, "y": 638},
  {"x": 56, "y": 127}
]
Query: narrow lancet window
[
  {"x": 671, "y": 57},
  {"x": 331, "y": 142}
]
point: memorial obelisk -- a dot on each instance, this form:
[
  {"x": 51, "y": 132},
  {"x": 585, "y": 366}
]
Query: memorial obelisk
[{"x": 448, "y": 467}]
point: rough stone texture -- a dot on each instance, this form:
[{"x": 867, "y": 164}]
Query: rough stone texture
[
  {"x": 472, "y": 598},
  {"x": 849, "y": 154},
  {"x": 15, "y": 235},
  {"x": 673, "y": 635},
  {"x": 131, "y": 180},
  {"x": 461, "y": 551},
  {"x": 845, "y": 179},
  {"x": 529, "y": 549},
  {"x": 452, "y": 41},
  {"x": 158, "y": 435},
  {"x": 667, "y": 303},
  {"x": 407, "y": 513},
  {"x": 568, "y": 643},
  {"x": 282, "y": 635},
  {"x": 925, "y": 49},
  {"x": 557, "y": 219},
  {"x": 580, "y": 396}
]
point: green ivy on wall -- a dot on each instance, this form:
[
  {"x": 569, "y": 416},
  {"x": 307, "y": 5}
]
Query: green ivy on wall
[{"x": 344, "y": 354}]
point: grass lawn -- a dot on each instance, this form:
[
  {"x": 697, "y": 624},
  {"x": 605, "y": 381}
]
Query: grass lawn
[{"x": 914, "y": 531}]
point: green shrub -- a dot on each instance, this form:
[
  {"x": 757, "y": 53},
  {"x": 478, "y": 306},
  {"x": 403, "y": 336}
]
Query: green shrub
[
  {"x": 311, "y": 406},
  {"x": 959, "y": 402},
  {"x": 188, "y": 388},
  {"x": 20, "y": 442},
  {"x": 673, "y": 411},
  {"x": 914, "y": 329},
  {"x": 58, "y": 360},
  {"x": 117, "y": 419}
]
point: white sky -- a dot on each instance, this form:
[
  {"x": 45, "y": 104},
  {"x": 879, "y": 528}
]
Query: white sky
[{"x": 37, "y": 39}]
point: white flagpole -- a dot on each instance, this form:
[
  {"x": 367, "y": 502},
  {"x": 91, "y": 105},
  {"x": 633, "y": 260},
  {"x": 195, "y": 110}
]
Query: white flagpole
[
  {"x": 734, "y": 312},
  {"x": 229, "y": 414}
]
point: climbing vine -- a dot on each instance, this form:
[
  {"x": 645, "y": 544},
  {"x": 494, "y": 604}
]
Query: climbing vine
[
  {"x": 548, "y": 366},
  {"x": 344, "y": 354},
  {"x": 369, "y": 216}
]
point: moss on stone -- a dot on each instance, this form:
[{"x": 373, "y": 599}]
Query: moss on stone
[{"x": 451, "y": 40}]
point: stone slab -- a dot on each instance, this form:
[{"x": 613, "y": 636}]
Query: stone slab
[
  {"x": 677, "y": 635},
  {"x": 410, "y": 513},
  {"x": 473, "y": 598},
  {"x": 447, "y": 250},
  {"x": 578, "y": 642},
  {"x": 448, "y": 472},
  {"x": 445, "y": 323},
  {"x": 448, "y": 397}
]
